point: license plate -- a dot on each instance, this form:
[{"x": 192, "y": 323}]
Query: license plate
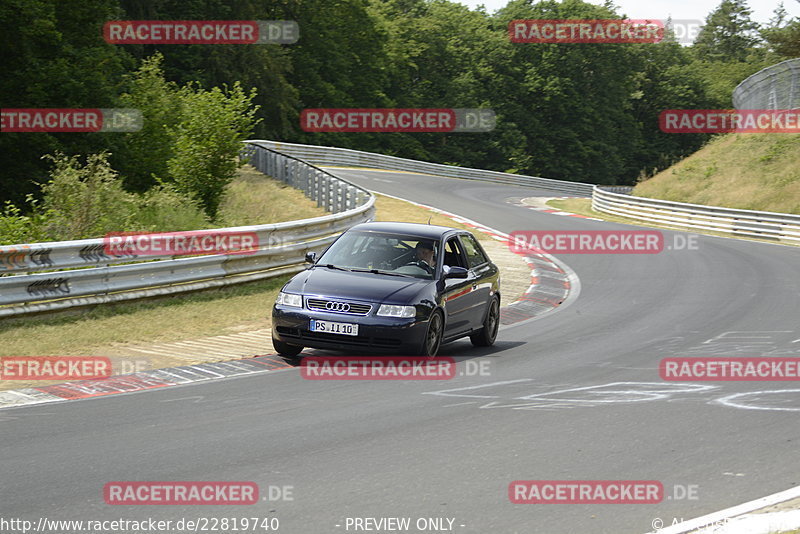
[{"x": 347, "y": 329}]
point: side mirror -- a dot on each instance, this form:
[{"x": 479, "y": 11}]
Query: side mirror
[
  {"x": 311, "y": 257},
  {"x": 456, "y": 272}
]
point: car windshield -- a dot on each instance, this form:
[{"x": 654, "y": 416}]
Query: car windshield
[{"x": 383, "y": 253}]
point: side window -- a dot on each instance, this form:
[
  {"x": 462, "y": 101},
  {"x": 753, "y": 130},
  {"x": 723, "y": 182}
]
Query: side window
[
  {"x": 452, "y": 254},
  {"x": 475, "y": 255}
]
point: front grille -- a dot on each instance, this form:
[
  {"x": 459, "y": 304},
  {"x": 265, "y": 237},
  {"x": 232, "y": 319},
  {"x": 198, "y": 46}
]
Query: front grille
[{"x": 338, "y": 306}]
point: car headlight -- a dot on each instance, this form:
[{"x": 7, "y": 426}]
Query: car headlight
[
  {"x": 390, "y": 310},
  {"x": 289, "y": 299}
]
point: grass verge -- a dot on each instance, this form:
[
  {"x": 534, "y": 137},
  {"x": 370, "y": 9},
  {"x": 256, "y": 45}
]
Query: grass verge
[
  {"x": 251, "y": 199},
  {"x": 742, "y": 171}
]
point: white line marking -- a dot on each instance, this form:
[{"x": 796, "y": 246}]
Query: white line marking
[
  {"x": 202, "y": 344},
  {"x": 446, "y": 392},
  {"x": 648, "y": 391},
  {"x": 732, "y": 401},
  {"x": 226, "y": 347},
  {"x": 197, "y": 399},
  {"x": 204, "y": 370},
  {"x": 256, "y": 335},
  {"x": 192, "y": 370}
]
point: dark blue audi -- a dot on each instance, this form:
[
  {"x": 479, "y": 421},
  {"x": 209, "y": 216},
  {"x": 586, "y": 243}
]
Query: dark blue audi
[{"x": 388, "y": 287}]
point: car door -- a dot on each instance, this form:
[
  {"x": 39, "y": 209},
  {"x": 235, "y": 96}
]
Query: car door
[
  {"x": 482, "y": 275},
  {"x": 457, "y": 291}
]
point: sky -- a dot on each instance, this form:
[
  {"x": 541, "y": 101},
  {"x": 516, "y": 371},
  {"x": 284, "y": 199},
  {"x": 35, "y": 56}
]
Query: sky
[{"x": 661, "y": 9}]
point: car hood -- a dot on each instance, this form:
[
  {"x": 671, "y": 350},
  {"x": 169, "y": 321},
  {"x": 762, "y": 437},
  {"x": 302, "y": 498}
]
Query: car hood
[{"x": 356, "y": 286}]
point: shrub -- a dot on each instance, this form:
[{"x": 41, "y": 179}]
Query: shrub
[
  {"x": 16, "y": 228},
  {"x": 144, "y": 155},
  {"x": 164, "y": 209},
  {"x": 83, "y": 201}
]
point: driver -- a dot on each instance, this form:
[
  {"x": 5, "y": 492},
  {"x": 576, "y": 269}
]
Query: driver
[{"x": 424, "y": 255}]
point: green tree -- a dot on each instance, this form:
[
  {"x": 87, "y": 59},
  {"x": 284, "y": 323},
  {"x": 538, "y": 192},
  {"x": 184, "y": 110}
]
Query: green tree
[
  {"x": 783, "y": 34},
  {"x": 665, "y": 79},
  {"x": 207, "y": 141},
  {"x": 728, "y": 34},
  {"x": 570, "y": 102},
  {"x": 142, "y": 160},
  {"x": 54, "y": 56}
]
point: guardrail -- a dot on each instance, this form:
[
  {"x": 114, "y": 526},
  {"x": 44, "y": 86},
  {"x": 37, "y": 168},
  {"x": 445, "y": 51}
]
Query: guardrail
[
  {"x": 745, "y": 223},
  {"x": 608, "y": 199},
  {"x": 324, "y": 155},
  {"x": 93, "y": 278}
]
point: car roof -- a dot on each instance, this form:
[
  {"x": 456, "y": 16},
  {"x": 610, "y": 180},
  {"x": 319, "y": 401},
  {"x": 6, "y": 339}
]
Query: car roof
[{"x": 429, "y": 231}]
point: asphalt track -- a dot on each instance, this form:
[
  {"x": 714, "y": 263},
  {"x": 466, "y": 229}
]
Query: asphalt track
[{"x": 424, "y": 449}]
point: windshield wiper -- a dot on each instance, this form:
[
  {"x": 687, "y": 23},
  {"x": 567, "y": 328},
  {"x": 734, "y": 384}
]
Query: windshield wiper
[
  {"x": 377, "y": 271},
  {"x": 332, "y": 266}
]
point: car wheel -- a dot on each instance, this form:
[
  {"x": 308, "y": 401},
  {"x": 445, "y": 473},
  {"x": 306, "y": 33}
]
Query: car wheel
[
  {"x": 433, "y": 337},
  {"x": 285, "y": 349},
  {"x": 486, "y": 336}
]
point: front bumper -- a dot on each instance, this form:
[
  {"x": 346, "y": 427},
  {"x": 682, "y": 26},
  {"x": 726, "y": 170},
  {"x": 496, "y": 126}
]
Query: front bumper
[{"x": 375, "y": 334}]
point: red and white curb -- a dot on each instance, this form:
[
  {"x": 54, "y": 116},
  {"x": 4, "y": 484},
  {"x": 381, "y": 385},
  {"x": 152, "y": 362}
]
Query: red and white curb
[
  {"x": 141, "y": 381},
  {"x": 552, "y": 211}
]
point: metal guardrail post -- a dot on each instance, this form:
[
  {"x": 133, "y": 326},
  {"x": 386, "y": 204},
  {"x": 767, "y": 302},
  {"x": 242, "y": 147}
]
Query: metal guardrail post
[
  {"x": 304, "y": 181},
  {"x": 329, "y": 195},
  {"x": 316, "y": 196},
  {"x": 337, "y": 204}
]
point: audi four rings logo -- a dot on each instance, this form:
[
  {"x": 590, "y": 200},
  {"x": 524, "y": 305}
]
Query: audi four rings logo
[{"x": 337, "y": 306}]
